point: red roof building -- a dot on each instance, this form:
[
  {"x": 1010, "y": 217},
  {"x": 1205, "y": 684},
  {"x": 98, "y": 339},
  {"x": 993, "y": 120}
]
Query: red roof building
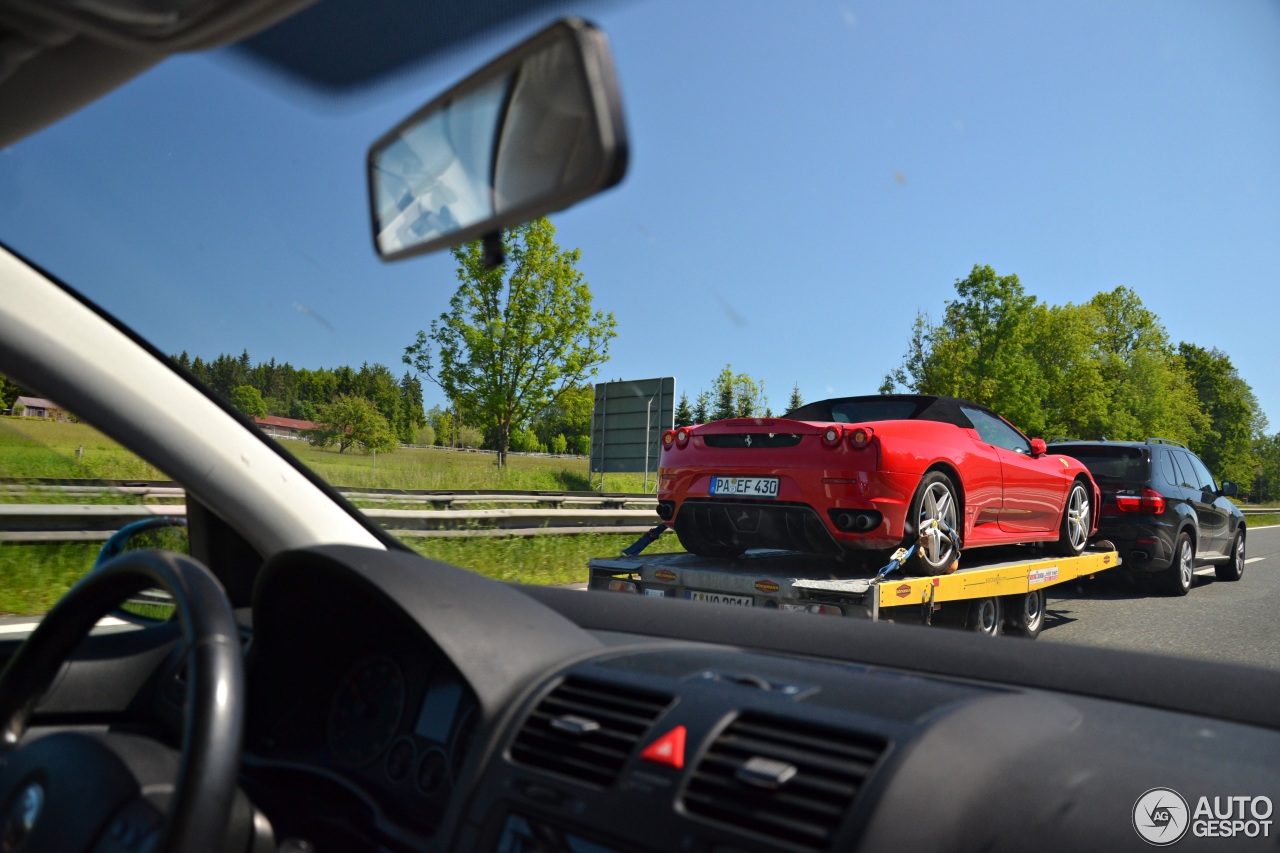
[{"x": 284, "y": 427}]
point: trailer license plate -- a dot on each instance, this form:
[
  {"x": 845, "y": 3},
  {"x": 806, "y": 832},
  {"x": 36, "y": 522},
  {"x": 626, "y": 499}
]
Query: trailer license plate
[
  {"x": 751, "y": 487},
  {"x": 718, "y": 598}
]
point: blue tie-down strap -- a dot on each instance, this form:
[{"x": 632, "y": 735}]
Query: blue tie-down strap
[
  {"x": 115, "y": 544},
  {"x": 901, "y": 555},
  {"x": 646, "y": 539}
]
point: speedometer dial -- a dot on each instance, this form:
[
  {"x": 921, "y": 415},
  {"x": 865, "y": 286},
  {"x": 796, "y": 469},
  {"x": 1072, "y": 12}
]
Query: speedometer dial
[{"x": 365, "y": 711}]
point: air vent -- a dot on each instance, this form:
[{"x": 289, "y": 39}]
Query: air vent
[
  {"x": 586, "y": 730},
  {"x": 782, "y": 779}
]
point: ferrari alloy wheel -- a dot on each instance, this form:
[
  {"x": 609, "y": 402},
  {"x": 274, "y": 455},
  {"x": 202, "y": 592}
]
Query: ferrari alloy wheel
[
  {"x": 1076, "y": 521},
  {"x": 935, "y": 501},
  {"x": 1233, "y": 569}
]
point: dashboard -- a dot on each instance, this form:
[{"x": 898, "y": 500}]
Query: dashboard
[{"x": 397, "y": 704}]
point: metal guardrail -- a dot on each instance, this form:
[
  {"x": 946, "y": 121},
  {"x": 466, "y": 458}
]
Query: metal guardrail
[
  {"x": 168, "y": 490},
  {"x": 1259, "y": 510},
  {"x": 95, "y": 523}
]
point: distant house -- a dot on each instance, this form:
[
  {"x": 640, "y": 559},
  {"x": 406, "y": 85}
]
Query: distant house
[
  {"x": 38, "y": 407},
  {"x": 284, "y": 427}
]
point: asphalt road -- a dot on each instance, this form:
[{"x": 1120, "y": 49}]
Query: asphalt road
[{"x": 1232, "y": 622}]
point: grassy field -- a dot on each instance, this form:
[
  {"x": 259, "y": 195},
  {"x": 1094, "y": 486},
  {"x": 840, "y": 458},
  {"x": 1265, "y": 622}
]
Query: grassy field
[
  {"x": 34, "y": 448},
  {"x": 33, "y": 576}
]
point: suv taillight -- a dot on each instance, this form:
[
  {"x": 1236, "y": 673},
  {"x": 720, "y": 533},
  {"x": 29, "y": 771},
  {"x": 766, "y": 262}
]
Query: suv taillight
[{"x": 1150, "y": 502}]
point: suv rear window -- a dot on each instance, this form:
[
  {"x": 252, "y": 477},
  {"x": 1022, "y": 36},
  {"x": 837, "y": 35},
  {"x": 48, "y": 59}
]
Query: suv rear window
[{"x": 1111, "y": 464}]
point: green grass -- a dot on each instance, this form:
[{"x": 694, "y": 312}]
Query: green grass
[
  {"x": 1262, "y": 520},
  {"x": 535, "y": 559},
  {"x": 34, "y": 576},
  {"x": 35, "y": 448}
]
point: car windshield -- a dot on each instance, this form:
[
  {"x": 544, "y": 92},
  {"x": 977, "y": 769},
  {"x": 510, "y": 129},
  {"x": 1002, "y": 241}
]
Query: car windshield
[{"x": 1066, "y": 213}]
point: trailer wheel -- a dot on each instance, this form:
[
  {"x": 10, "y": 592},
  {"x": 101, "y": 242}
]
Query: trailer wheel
[
  {"x": 1026, "y": 614},
  {"x": 986, "y": 616}
]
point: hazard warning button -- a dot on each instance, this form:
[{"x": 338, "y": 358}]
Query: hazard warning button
[{"x": 668, "y": 749}]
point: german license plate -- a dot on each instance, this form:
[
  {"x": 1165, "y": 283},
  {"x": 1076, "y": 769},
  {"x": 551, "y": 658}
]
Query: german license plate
[
  {"x": 718, "y": 598},
  {"x": 747, "y": 487}
]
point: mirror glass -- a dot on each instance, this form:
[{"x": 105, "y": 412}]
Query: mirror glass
[
  {"x": 434, "y": 177},
  {"x": 531, "y": 133}
]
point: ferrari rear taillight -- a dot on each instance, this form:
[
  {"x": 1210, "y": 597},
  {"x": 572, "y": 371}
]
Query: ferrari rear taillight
[
  {"x": 668, "y": 439},
  {"x": 682, "y": 438},
  {"x": 1150, "y": 502},
  {"x": 860, "y": 437},
  {"x": 831, "y": 436}
]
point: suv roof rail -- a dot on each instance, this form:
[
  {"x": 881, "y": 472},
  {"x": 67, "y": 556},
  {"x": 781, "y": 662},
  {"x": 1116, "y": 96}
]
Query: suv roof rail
[
  {"x": 1167, "y": 441},
  {"x": 1059, "y": 439}
]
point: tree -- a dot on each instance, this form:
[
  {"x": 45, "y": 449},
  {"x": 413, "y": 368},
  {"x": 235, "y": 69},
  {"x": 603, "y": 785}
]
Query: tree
[
  {"x": 1235, "y": 420},
  {"x": 724, "y": 395},
  {"x": 796, "y": 400},
  {"x": 749, "y": 399},
  {"x": 413, "y": 417},
  {"x": 248, "y": 401},
  {"x": 684, "y": 413},
  {"x": 516, "y": 338},
  {"x": 351, "y": 421},
  {"x": 702, "y": 407},
  {"x": 570, "y": 417},
  {"x": 981, "y": 351},
  {"x": 1266, "y": 482}
]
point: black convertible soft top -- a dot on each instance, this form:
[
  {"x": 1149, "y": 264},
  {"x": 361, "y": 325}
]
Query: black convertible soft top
[{"x": 886, "y": 407}]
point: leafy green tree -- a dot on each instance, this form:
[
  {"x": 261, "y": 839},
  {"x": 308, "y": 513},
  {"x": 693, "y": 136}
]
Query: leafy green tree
[
  {"x": 425, "y": 436},
  {"x": 702, "y": 407},
  {"x": 351, "y": 421},
  {"x": 559, "y": 444},
  {"x": 1074, "y": 396},
  {"x": 413, "y": 416},
  {"x": 749, "y": 399},
  {"x": 796, "y": 400},
  {"x": 571, "y": 417},
  {"x": 1234, "y": 417},
  {"x": 516, "y": 338},
  {"x": 1266, "y": 482},
  {"x": 469, "y": 436},
  {"x": 248, "y": 400},
  {"x": 724, "y": 391},
  {"x": 983, "y": 350},
  {"x": 684, "y": 412},
  {"x": 1151, "y": 394}
]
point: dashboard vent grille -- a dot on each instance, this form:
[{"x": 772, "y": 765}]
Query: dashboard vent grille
[
  {"x": 783, "y": 779},
  {"x": 586, "y": 730}
]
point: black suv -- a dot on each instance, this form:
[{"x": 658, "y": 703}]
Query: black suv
[{"x": 1163, "y": 510}]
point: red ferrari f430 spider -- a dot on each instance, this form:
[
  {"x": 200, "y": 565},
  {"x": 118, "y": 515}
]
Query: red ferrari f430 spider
[{"x": 860, "y": 474}]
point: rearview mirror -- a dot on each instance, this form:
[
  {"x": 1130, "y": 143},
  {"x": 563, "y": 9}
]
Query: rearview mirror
[
  {"x": 1229, "y": 489},
  {"x": 532, "y": 132},
  {"x": 1038, "y": 447}
]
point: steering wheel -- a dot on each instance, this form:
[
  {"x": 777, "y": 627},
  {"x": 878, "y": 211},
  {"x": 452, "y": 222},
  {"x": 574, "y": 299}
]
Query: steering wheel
[{"x": 75, "y": 791}]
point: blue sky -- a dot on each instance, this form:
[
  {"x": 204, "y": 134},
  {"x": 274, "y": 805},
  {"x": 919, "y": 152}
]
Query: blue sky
[{"x": 805, "y": 178}]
